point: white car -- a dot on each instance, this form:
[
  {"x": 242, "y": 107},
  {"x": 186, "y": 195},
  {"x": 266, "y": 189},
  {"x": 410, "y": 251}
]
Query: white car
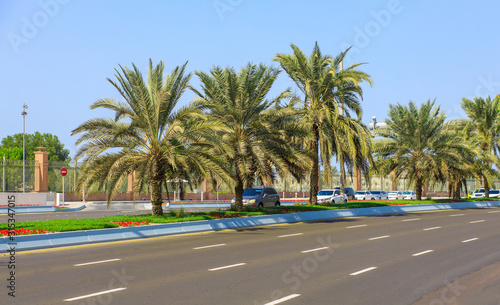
[
  {"x": 330, "y": 195},
  {"x": 379, "y": 195},
  {"x": 395, "y": 195},
  {"x": 409, "y": 195},
  {"x": 480, "y": 193},
  {"x": 364, "y": 195}
]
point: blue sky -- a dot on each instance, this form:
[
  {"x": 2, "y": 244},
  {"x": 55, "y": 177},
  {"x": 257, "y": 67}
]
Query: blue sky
[{"x": 57, "y": 54}]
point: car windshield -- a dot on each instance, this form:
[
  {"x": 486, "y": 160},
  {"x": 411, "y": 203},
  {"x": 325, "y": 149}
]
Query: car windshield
[
  {"x": 360, "y": 193},
  {"x": 325, "y": 193},
  {"x": 494, "y": 192},
  {"x": 407, "y": 193},
  {"x": 393, "y": 193},
  {"x": 376, "y": 192},
  {"x": 252, "y": 192}
]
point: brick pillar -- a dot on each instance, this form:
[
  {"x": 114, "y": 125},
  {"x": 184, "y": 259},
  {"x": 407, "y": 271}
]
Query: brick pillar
[
  {"x": 41, "y": 170},
  {"x": 206, "y": 190}
]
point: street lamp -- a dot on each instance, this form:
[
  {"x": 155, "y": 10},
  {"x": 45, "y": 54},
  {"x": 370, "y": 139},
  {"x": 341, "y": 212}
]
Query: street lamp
[
  {"x": 24, "y": 113},
  {"x": 374, "y": 118}
]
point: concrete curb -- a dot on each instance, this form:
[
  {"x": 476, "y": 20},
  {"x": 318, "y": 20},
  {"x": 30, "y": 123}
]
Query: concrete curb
[
  {"x": 51, "y": 240},
  {"x": 39, "y": 209}
]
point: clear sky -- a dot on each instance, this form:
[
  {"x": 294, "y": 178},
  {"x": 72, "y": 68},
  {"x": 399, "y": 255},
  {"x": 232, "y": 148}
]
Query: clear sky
[{"x": 57, "y": 54}]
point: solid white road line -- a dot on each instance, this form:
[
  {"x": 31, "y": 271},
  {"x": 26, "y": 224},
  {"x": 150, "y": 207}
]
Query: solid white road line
[
  {"x": 363, "y": 271},
  {"x": 210, "y": 246},
  {"x": 225, "y": 267},
  {"x": 413, "y": 219},
  {"x": 380, "y": 237},
  {"x": 472, "y": 239},
  {"x": 433, "y": 228},
  {"x": 312, "y": 250},
  {"x": 288, "y": 235},
  {"x": 494, "y": 212},
  {"x": 283, "y": 299},
  {"x": 423, "y": 252},
  {"x": 457, "y": 215},
  {"x": 476, "y": 221},
  {"x": 98, "y": 262},
  {"x": 359, "y": 226},
  {"x": 94, "y": 294}
]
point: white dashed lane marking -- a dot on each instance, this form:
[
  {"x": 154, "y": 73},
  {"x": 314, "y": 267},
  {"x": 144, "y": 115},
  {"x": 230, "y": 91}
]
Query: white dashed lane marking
[
  {"x": 379, "y": 237},
  {"x": 209, "y": 246},
  {"x": 433, "y": 228},
  {"x": 225, "y": 267},
  {"x": 476, "y": 221},
  {"x": 98, "y": 262},
  {"x": 468, "y": 240},
  {"x": 412, "y": 219},
  {"x": 94, "y": 294},
  {"x": 289, "y": 297},
  {"x": 363, "y": 271},
  {"x": 454, "y": 215},
  {"x": 289, "y": 235},
  {"x": 358, "y": 226},
  {"x": 312, "y": 250},
  {"x": 423, "y": 252}
]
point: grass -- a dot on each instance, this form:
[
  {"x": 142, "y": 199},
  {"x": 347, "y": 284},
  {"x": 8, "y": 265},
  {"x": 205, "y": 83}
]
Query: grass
[{"x": 63, "y": 225}]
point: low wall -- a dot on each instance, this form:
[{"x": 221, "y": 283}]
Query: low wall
[{"x": 28, "y": 198}]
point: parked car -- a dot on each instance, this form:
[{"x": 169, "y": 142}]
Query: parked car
[
  {"x": 480, "y": 193},
  {"x": 395, "y": 195},
  {"x": 349, "y": 191},
  {"x": 331, "y": 195},
  {"x": 259, "y": 196},
  {"x": 364, "y": 195},
  {"x": 379, "y": 195},
  {"x": 409, "y": 195}
]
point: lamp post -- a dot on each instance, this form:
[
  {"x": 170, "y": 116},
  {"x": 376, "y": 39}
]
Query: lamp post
[
  {"x": 24, "y": 113},
  {"x": 374, "y": 118}
]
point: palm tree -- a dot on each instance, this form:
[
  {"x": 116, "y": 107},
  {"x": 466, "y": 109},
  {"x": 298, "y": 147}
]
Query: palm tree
[
  {"x": 416, "y": 144},
  {"x": 329, "y": 92},
  {"x": 258, "y": 133},
  {"x": 146, "y": 136},
  {"x": 483, "y": 132}
]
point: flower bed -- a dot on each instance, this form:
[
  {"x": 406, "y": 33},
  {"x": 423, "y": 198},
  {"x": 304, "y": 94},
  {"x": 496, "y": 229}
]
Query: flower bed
[
  {"x": 21, "y": 231},
  {"x": 130, "y": 223}
]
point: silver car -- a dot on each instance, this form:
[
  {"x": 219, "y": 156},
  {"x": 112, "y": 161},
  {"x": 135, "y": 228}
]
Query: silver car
[
  {"x": 331, "y": 195},
  {"x": 379, "y": 195},
  {"x": 395, "y": 195},
  {"x": 259, "y": 196}
]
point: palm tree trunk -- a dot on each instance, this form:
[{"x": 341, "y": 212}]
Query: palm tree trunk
[
  {"x": 156, "y": 180},
  {"x": 314, "y": 178},
  {"x": 486, "y": 188},
  {"x": 418, "y": 188},
  {"x": 456, "y": 189},
  {"x": 238, "y": 191}
]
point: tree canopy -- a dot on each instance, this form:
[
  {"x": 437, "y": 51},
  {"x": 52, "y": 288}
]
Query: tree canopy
[{"x": 12, "y": 146}]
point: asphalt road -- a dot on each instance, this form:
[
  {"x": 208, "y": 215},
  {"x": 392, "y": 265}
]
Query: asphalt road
[{"x": 371, "y": 260}]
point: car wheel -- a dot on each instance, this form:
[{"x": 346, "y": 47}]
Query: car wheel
[{"x": 277, "y": 204}]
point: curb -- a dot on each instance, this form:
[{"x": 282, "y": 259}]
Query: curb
[
  {"x": 61, "y": 239},
  {"x": 39, "y": 209}
]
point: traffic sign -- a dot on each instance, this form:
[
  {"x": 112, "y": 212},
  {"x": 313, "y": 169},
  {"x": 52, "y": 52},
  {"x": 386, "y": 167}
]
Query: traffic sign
[{"x": 63, "y": 171}]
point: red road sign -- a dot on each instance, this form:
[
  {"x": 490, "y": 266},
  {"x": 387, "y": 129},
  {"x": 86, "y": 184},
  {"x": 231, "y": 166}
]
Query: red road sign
[{"x": 63, "y": 171}]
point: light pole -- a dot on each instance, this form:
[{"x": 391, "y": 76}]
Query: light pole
[
  {"x": 24, "y": 113},
  {"x": 374, "y": 118}
]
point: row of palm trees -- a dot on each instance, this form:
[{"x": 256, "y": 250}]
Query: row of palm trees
[
  {"x": 420, "y": 144},
  {"x": 234, "y": 133}
]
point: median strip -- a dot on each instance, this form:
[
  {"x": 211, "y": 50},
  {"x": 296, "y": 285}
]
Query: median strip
[
  {"x": 94, "y": 294},
  {"x": 289, "y": 297},
  {"x": 312, "y": 250},
  {"x": 225, "y": 267},
  {"x": 468, "y": 240},
  {"x": 363, "y": 271},
  {"x": 423, "y": 252},
  {"x": 98, "y": 262},
  {"x": 210, "y": 246}
]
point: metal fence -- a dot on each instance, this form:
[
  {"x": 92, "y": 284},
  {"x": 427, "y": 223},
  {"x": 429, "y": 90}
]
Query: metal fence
[{"x": 11, "y": 175}]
